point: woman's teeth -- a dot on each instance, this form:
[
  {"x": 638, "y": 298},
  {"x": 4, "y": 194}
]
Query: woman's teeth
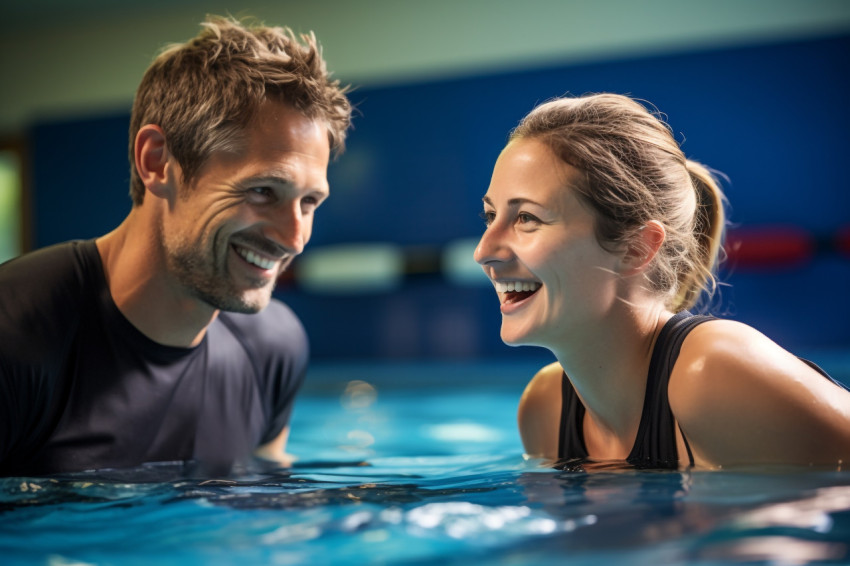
[{"x": 516, "y": 286}]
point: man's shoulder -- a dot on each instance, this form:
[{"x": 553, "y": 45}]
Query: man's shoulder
[
  {"x": 41, "y": 305},
  {"x": 42, "y": 269},
  {"x": 43, "y": 291},
  {"x": 276, "y": 328}
]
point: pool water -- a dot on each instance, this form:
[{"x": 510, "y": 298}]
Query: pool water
[{"x": 422, "y": 464}]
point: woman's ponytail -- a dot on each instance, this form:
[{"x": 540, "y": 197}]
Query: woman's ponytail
[{"x": 709, "y": 223}]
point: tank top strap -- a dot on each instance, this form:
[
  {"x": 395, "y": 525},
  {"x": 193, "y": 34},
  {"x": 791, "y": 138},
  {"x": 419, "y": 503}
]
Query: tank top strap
[
  {"x": 571, "y": 438},
  {"x": 655, "y": 444}
]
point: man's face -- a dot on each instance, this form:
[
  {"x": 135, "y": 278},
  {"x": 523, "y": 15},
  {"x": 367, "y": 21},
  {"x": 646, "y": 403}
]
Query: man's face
[{"x": 228, "y": 237}]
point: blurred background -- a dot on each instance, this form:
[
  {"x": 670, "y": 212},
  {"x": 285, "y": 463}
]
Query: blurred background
[{"x": 757, "y": 90}]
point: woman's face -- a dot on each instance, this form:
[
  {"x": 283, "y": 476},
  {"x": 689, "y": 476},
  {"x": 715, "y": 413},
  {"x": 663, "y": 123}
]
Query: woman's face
[{"x": 540, "y": 251}]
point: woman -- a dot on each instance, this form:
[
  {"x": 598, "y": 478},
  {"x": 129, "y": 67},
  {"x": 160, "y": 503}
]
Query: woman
[{"x": 600, "y": 235}]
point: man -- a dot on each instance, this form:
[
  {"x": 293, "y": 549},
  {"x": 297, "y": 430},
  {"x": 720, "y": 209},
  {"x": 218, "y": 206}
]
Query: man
[{"x": 160, "y": 341}]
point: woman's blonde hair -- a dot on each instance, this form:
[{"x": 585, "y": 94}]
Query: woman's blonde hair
[
  {"x": 634, "y": 172},
  {"x": 205, "y": 93}
]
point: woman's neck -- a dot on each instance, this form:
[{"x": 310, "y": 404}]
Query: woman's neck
[{"x": 608, "y": 366}]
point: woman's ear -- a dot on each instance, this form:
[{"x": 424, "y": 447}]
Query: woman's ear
[
  {"x": 153, "y": 161},
  {"x": 643, "y": 248}
]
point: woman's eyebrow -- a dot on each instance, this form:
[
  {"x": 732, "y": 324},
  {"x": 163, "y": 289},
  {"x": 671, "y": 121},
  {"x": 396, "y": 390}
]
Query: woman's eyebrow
[{"x": 515, "y": 201}]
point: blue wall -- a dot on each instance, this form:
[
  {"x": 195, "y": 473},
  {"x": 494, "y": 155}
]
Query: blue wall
[{"x": 774, "y": 118}]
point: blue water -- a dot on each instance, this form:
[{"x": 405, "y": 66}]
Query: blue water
[{"x": 423, "y": 465}]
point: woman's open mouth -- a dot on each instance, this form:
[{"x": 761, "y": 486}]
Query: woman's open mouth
[{"x": 512, "y": 292}]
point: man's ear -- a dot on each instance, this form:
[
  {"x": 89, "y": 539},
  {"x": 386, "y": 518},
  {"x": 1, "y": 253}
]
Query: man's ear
[
  {"x": 643, "y": 248},
  {"x": 153, "y": 162}
]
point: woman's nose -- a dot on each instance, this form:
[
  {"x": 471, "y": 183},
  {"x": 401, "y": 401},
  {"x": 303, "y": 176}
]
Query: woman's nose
[{"x": 491, "y": 247}]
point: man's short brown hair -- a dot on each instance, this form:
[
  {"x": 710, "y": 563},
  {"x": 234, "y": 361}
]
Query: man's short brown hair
[{"x": 205, "y": 93}]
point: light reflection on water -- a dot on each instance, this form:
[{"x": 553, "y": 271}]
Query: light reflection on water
[
  {"x": 394, "y": 475},
  {"x": 422, "y": 510}
]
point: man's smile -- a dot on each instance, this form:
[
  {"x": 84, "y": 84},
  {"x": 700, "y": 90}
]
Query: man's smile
[{"x": 255, "y": 258}]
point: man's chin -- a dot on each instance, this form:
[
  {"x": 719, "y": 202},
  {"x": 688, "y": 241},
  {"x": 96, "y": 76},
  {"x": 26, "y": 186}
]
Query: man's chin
[
  {"x": 246, "y": 303},
  {"x": 245, "y": 308},
  {"x": 251, "y": 305}
]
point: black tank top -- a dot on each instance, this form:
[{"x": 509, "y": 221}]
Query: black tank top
[{"x": 655, "y": 444}]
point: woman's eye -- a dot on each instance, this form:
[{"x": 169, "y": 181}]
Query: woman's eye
[
  {"x": 488, "y": 217},
  {"x": 526, "y": 218}
]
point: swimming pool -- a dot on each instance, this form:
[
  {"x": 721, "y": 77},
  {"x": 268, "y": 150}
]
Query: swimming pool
[{"x": 422, "y": 464}]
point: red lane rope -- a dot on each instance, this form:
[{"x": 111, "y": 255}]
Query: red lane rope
[
  {"x": 842, "y": 241},
  {"x": 769, "y": 246}
]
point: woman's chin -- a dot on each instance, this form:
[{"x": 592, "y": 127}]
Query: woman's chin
[{"x": 514, "y": 339}]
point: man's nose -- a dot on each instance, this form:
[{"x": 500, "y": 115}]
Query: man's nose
[{"x": 288, "y": 227}]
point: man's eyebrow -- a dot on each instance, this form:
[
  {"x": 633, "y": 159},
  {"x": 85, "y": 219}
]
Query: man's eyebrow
[
  {"x": 281, "y": 179},
  {"x": 278, "y": 179}
]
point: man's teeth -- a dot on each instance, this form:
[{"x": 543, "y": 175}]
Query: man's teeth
[
  {"x": 515, "y": 286},
  {"x": 254, "y": 259}
]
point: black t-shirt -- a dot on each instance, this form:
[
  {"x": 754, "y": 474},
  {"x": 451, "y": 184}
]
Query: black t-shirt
[{"x": 82, "y": 388}]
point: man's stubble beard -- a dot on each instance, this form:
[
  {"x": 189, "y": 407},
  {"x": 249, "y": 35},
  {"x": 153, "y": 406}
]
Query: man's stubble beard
[{"x": 199, "y": 273}]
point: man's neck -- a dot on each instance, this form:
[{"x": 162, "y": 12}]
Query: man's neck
[{"x": 143, "y": 291}]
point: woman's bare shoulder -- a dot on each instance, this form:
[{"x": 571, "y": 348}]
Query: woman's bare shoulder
[
  {"x": 539, "y": 413},
  {"x": 549, "y": 375},
  {"x": 725, "y": 357},
  {"x": 741, "y": 398}
]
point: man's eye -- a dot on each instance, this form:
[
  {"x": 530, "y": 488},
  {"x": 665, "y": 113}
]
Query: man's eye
[
  {"x": 310, "y": 203},
  {"x": 261, "y": 195},
  {"x": 488, "y": 217}
]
